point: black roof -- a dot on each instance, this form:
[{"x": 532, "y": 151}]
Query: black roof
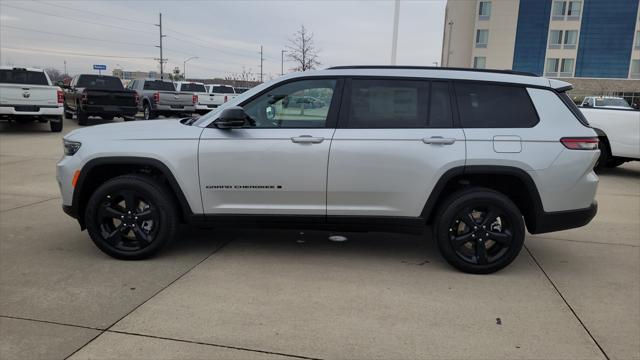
[{"x": 495, "y": 71}]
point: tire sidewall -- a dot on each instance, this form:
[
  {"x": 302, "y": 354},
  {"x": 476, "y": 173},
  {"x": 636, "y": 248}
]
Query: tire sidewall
[
  {"x": 472, "y": 198},
  {"x": 156, "y": 196}
]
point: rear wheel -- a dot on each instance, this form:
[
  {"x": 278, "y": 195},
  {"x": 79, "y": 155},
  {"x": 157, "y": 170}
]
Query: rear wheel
[
  {"x": 479, "y": 230},
  {"x": 148, "y": 112},
  {"x": 56, "y": 126},
  {"x": 131, "y": 217}
]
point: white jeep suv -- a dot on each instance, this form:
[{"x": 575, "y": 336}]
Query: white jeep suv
[{"x": 475, "y": 154}]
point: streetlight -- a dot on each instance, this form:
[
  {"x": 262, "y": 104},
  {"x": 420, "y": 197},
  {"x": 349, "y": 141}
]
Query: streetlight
[
  {"x": 282, "y": 61},
  {"x": 184, "y": 66},
  {"x": 450, "y": 23}
]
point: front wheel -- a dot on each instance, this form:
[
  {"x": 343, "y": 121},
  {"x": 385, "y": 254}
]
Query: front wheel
[
  {"x": 131, "y": 217},
  {"x": 479, "y": 230}
]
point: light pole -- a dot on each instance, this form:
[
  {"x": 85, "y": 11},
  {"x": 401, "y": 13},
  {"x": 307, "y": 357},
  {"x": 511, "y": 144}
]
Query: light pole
[
  {"x": 450, "y": 23},
  {"x": 184, "y": 66},
  {"x": 282, "y": 61},
  {"x": 394, "y": 40}
]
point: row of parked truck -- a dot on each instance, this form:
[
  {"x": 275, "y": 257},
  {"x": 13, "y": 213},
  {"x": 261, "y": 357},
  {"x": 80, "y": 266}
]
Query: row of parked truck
[{"x": 28, "y": 94}]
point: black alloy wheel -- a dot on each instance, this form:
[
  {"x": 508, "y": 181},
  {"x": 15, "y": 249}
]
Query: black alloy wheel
[
  {"x": 128, "y": 220},
  {"x": 480, "y": 235},
  {"x": 479, "y": 230},
  {"x": 131, "y": 217}
]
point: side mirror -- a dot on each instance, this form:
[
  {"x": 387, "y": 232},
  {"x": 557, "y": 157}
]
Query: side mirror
[{"x": 231, "y": 118}]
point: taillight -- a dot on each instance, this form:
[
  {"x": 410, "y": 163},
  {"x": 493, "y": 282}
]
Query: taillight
[
  {"x": 580, "y": 143},
  {"x": 195, "y": 99},
  {"x": 60, "y": 97},
  {"x": 225, "y": 98},
  {"x": 156, "y": 97},
  {"x": 84, "y": 98}
]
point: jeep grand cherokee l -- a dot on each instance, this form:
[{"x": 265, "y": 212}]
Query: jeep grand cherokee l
[{"x": 481, "y": 156}]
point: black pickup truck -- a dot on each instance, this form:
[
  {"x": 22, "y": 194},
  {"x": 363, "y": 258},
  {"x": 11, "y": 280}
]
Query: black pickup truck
[{"x": 99, "y": 95}]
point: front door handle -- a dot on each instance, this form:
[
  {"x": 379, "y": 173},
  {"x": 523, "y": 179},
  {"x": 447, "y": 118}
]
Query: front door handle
[
  {"x": 438, "y": 140},
  {"x": 307, "y": 139}
]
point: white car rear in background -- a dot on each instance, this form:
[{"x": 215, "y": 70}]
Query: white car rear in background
[
  {"x": 205, "y": 102},
  {"x": 26, "y": 94},
  {"x": 221, "y": 93}
]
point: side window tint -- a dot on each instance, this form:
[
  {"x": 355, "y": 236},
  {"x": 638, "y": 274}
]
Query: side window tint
[
  {"x": 300, "y": 104},
  {"x": 440, "y": 106},
  {"x": 494, "y": 106},
  {"x": 388, "y": 104}
]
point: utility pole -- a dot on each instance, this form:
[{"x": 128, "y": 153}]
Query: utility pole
[
  {"x": 261, "y": 63},
  {"x": 394, "y": 41},
  {"x": 282, "y": 61},
  {"x": 450, "y": 23},
  {"x": 162, "y": 60}
]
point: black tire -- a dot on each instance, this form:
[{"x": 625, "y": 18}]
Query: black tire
[
  {"x": 56, "y": 126},
  {"x": 501, "y": 234},
  {"x": 129, "y": 118},
  {"x": 83, "y": 118},
  {"x": 114, "y": 225},
  {"x": 149, "y": 114},
  {"x": 110, "y": 117}
]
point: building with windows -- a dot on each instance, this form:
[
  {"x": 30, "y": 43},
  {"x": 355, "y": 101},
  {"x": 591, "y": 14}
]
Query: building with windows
[{"x": 593, "y": 44}]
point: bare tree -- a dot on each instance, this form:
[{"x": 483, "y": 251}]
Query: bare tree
[
  {"x": 302, "y": 51},
  {"x": 55, "y": 74}
]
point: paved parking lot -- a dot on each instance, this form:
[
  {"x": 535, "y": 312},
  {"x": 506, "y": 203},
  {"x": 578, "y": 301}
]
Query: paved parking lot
[{"x": 244, "y": 294}]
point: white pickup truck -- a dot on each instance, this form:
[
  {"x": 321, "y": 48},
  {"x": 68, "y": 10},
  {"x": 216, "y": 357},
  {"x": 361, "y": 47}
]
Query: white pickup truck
[
  {"x": 619, "y": 134},
  {"x": 205, "y": 101},
  {"x": 26, "y": 94},
  {"x": 221, "y": 93}
]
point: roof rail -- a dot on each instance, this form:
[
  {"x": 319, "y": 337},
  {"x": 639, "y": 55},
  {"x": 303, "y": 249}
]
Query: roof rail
[{"x": 496, "y": 71}]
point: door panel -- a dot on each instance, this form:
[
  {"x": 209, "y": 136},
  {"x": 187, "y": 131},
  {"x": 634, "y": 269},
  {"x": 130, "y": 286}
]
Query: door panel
[
  {"x": 394, "y": 141},
  {"x": 263, "y": 171},
  {"x": 278, "y": 163},
  {"x": 388, "y": 172}
]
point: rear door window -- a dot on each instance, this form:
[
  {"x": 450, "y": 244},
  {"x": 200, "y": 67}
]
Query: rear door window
[
  {"x": 23, "y": 76},
  {"x": 483, "y": 105}
]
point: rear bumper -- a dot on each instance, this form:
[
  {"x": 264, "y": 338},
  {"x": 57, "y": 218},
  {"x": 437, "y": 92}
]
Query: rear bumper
[
  {"x": 169, "y": 108},
  {"x": 563, "y": 220},
  {"x": 43, "y": 111},
  {"x": 111, "y": 110}
]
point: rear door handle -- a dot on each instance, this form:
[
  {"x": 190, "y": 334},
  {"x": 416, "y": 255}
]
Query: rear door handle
[
  {"x": 438, "y": 140},
  {"x": 307, "y": 139}
]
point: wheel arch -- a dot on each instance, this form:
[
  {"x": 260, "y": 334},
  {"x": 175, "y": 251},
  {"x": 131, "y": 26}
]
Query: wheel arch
[
  {"x": 514, "y": 182},
  {"x": 97, "y": 171}
]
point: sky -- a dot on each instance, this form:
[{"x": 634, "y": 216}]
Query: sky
[{"x": 225, "y": 35}]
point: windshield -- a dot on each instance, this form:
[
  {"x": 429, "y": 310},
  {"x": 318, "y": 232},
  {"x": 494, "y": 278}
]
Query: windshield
[
  {"x": 192, "y": 87},
  {"x": 99, "y": 82},
  {"x": 18, "y": 76},
  {"x": 159, "y": 85},
  {"x": 612, "y": 102}
]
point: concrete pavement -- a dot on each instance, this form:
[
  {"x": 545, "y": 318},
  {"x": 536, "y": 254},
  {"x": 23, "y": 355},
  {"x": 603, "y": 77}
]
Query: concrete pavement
[{"x": 238, "y": 294}]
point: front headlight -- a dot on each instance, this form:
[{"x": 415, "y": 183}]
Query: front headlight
[{"x": 71, "y": 147}]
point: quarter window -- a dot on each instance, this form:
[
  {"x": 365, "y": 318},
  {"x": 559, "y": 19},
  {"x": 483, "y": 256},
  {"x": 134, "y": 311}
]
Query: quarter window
[
  {"x": 300, "y": 104},
  {"x": 494, "y": 106},
  {"x": 482, "y": 38}
]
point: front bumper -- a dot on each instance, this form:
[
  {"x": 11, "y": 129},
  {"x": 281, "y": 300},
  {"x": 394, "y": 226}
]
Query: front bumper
[{"x": 563, "y": 220}]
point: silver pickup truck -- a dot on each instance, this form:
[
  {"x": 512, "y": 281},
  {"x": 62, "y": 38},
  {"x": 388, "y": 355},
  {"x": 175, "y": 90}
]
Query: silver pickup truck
[{"x": 159, "y": 97}]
